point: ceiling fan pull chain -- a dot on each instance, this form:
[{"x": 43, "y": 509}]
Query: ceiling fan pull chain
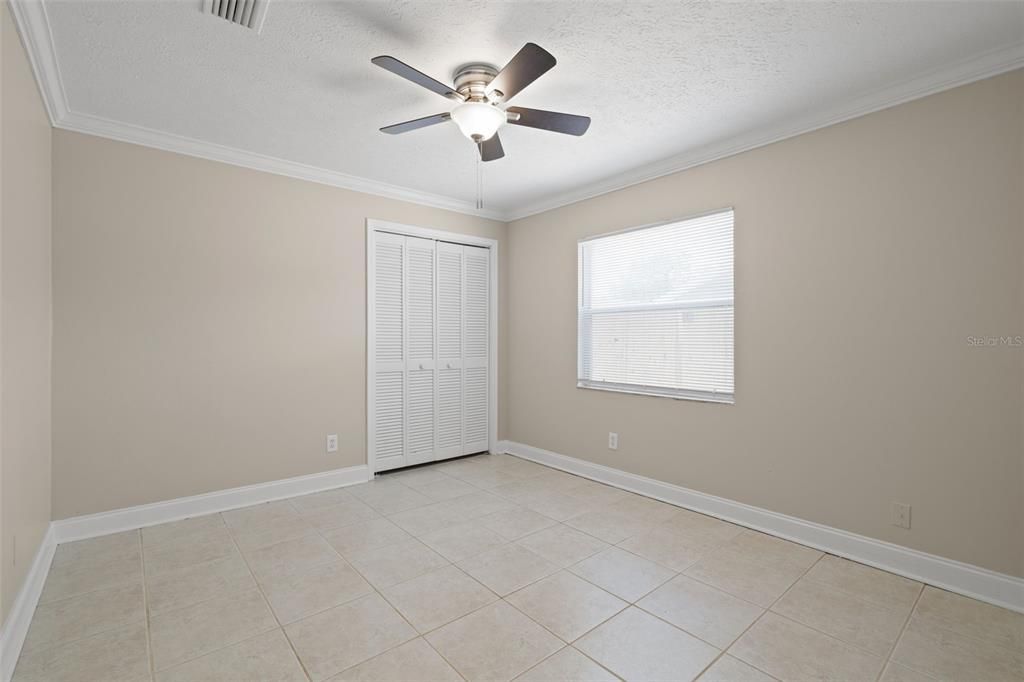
[{"x": 479, "y": 183}]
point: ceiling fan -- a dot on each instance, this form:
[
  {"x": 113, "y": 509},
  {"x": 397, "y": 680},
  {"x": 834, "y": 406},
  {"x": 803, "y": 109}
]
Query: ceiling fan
[{"x": 481, "y": 90}]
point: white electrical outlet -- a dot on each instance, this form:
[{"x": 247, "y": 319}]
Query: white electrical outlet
[
  {"x": 901, "y": 515},
  {"x": 613, "y": 440},
  {"x": 332, "y": 443}
]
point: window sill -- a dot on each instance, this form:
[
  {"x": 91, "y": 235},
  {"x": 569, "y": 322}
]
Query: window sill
[{"x": 720, "y": 400}]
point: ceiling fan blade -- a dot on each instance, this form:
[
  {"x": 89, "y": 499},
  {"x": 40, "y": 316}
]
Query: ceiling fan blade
[
  {"x": 570, "y": 124},
  {"x": 416, "y": 124},
  {"x": 491, "y": 149},
  {"x": 529, "y": 64},
  {"x": 407, "y": 72}
]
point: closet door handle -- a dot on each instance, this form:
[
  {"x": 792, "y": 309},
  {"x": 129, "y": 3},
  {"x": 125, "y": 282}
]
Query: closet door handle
[
  {"x": 421, "y": 365},
  {"x": 448, "y": 366}
]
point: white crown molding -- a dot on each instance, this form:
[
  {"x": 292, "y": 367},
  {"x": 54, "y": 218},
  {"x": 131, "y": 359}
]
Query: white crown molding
[
  {"x": 33, "y": 24},
  {"x": 976, "y": 68},
  {"x": 126, "y": 132},
  {"x": 34, "y": 28},
  {"x": 15, "y": 628},
  {"x": 972, "y": 581}
]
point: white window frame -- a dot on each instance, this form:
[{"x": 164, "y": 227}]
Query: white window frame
[
  {"x": 582, "y": 331},
  {"x": 374, "y": 225}
]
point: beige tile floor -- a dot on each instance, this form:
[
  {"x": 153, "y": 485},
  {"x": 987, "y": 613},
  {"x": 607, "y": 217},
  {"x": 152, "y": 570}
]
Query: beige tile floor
[{"x": 492, "y": 568}]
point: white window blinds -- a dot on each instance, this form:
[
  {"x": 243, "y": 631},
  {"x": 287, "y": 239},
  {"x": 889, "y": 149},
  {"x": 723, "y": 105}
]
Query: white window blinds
[{"x": 656, "y": 309}]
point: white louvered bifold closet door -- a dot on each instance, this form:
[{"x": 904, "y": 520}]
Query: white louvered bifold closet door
[
  {"x": 449, "y": 350},
  {"x": 431, "y": 315},
  {"x": 388, "y": 394},
  {"x": 476, "y": 337},
  {"x": 419, "y": 338}
]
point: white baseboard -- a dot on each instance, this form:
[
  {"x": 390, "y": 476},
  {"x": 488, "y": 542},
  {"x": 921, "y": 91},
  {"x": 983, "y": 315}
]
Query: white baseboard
[
  {"x": 971, "y": 581},
  {"x": 12, "y": 636},
  {"x": 129, "y": 518}
]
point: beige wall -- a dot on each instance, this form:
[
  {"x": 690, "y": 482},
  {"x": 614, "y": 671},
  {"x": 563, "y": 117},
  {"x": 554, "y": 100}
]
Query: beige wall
[
  {"x": 210, "y": 326},
  {"x": 866, "y": 254},
  {"x": 209, "y": 323},
  {"x": 25, "y": 315}
]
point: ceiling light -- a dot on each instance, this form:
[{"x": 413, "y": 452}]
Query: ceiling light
[{"x": 478, "y": 121}]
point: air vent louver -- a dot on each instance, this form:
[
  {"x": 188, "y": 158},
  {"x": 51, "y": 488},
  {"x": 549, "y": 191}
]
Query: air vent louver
[{"x": 247, "y": 13}]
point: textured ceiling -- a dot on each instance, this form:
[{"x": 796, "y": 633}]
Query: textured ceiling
[{"x": 658, "y": 79}]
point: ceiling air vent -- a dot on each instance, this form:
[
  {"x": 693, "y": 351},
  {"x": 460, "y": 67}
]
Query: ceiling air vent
[{"x": 247, "y": 13}]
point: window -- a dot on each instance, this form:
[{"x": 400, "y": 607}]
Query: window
[{"x": 656, "y": 310}]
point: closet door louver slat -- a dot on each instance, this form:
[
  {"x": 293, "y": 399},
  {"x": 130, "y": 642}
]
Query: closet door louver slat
[
  {"x": 449, "y": 347},
  {"x": 419, "y": 321},
  {"x": 475, "y": 314},
  {"x": 389, "y": 351}
]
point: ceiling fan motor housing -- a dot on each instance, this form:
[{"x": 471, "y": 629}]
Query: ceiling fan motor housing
[{"x": 471, "y": 80}]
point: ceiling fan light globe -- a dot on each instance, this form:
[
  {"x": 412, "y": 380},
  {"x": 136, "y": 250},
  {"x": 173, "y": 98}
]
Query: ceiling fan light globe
[{"x": 477, "y": 120}]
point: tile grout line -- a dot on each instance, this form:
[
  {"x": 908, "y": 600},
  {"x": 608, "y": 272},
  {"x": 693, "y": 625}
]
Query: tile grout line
[
  {"x": 553, "y": 633},
  {"x": 263, "y": 595},
  {"x": 769, "y": 610},
  {"x": 83, "y": 593},
  {"x": 379, "y": 593},
  {"x": 145, "y": 605},
  {"x": 220, "y": 649},
  {"x": 500, "y": 598},
  {"x": 419, "y": 635},
  {"x": 206, "y": 601},
  {"x": 635, "y": 603},
  {"x": 854, "y": 595},
  {"x": 526, "y": 615},
  {"x": 721, "y": 651},
  {"x": 758, "y": 619},
  {"x": 567, "y": 646},
  {"x": 107, "y": 630},
  {"x": 850, "y": 645},
  {"x": 903, "y": 629},
  {"x": 628, "y": 603},
  {"x": 631, "y": 603},
  {"x": 597, "y": 663},
  {"x": 176, "y": 609},
  {"x": 62, "y": 644},
  {"x": 677, "y": 574},
  {"x": 970, "y": 637},
  {"x": 565, "y": 567},
  {"x": 765, "y": 609}
]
